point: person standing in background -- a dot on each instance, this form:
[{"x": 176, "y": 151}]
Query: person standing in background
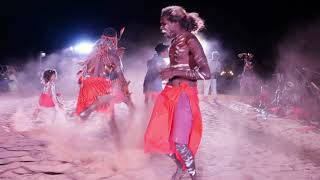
[
  {"x": 210, "y": 86},
  {"x": 152, "y": 85}
]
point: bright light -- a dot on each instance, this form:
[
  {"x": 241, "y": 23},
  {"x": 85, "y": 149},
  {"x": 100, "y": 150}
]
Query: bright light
[
  {"x": 231, "y": 73},
  {"x": 222, "y": 73},
  {"x": 43, "y": 54},
  {"x": 83, "y": 47},
  {"x": 204, "y": 43},
  {"x": 167, "y": 61}
]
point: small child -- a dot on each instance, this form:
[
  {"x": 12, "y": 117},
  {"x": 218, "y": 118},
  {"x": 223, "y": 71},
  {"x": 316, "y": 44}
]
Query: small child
[{"x": 48, "y": 101}]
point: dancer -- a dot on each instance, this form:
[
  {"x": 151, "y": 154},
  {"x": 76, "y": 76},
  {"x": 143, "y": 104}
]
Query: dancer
[
  {"x": 175, "y": 127},
  {"x": 102, "y": 82},
  {"x": 102, "y": 77},
  {"x": 248, "y": 82}
]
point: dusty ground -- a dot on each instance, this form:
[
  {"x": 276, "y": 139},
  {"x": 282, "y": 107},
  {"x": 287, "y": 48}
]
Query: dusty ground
[{"x": 237, "y": 145}]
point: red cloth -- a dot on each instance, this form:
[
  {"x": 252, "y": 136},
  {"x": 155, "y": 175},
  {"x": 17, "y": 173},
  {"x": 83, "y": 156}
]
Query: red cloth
[
  {"x": 117, "y": 92},
  {"x": 157, "y": 138},
  {"x": 46, "y": 100},
  {"x": 90, "y": 89},
  {"x": 299, "y": 113}
]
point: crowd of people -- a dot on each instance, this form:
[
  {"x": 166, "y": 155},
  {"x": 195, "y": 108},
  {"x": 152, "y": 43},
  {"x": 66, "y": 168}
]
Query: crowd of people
[
  {"x": 290, "y": 94},
  {"x": 8, "y": 79},
  {"x": 175, "y": 126}
]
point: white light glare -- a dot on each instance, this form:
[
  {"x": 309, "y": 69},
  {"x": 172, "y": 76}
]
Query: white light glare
[
  {"x": 167, "y": 61},
  {"x": 83, "y": 47},
  {"x": 204, "y": 43},
  {"x": 43, "y": 54}
]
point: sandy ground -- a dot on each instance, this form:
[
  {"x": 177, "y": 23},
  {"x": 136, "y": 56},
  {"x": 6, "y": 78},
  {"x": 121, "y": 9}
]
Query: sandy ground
[{"x": 237, "y": 145}]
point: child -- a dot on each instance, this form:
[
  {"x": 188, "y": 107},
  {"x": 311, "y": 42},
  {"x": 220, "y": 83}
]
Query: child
[{"x": 48, "y": 101}]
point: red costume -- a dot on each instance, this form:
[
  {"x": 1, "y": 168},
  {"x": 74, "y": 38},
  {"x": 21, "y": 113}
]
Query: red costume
[
  {"x": 45, "y": 100},
  {"x": 169, "y": 133},
  {"x": 94, "y": 81},
  {"x": 49, "y": 103},
  {"x": 102, "y": 75},
  {"x": 91, "y": 88},
  {"x": 49, "y": 97},
  {"x": 175, "y": 127},
  {"x": 158, "y": 135}
]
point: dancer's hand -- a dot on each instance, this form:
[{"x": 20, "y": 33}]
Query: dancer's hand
[
  {"x": 167, "y": 73},
  {"x": 120, "y": 52},
  {"x": 125, "y": 89}
]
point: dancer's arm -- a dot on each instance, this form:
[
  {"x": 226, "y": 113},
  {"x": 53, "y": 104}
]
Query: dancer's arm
[
  {"x": 54, "y": 96},
  {"x": 201, "y": 71}
]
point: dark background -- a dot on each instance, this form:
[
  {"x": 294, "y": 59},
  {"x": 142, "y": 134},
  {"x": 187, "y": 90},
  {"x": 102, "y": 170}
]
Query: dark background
[{"x": 28, "y": 27}]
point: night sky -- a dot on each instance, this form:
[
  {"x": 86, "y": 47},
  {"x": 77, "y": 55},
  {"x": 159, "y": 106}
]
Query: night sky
[{"x": 28, "y": 27}]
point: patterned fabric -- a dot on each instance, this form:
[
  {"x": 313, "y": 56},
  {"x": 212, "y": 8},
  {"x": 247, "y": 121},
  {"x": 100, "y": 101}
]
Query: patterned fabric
[
  {"x": 90, "y": 89},
  {"x": 100, "y": 76}
]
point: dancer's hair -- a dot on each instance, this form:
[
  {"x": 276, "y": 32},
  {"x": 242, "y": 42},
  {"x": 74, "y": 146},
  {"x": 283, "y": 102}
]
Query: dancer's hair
[
  {"x": 47, "y": 74},
  {"x": 189, "y": 21}
]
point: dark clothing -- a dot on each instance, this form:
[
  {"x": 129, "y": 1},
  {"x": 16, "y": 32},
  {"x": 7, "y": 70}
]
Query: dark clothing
[
  {"x": 248, "y": 69},
  {"x": 152, "y": 81}
]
